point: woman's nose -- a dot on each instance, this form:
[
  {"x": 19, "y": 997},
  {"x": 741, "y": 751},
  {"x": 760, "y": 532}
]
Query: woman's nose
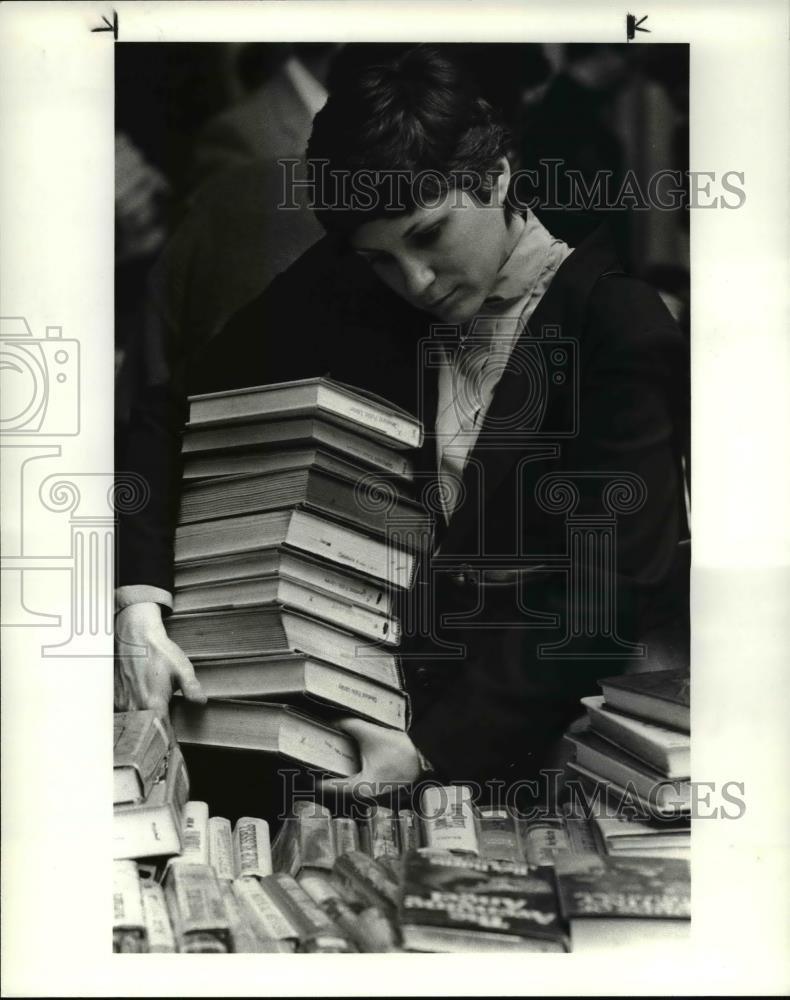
[{"x": 418, "y": 276}]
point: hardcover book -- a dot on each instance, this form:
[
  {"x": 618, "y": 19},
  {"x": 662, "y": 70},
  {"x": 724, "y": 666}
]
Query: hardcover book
[
  {"x": 607, "y": 760},
  {"x": 266, "y": 727},
  {"x": 375, "y": 509},
  {"x": 625, "y": 902},
  {"x": 219, "y": 444},
  {"x": 271, "y": 592},
  {"x": 140, "y": 744},
  {"x": 297, "y": 566},
  {"x": 300, "y": 530},
  {"x": 225, "y": 637},
  {"x": 361, "y": 411},
  {"x": 265, "y": 462},
  {"x": 153, "y": 828},
  {"x": 667, "y": 750},
  {"x": 460, "y": 903},
  {"x": 660, "y": 696}
]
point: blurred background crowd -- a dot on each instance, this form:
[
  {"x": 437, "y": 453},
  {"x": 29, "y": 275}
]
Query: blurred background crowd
[{"x": 200, "y": 127}]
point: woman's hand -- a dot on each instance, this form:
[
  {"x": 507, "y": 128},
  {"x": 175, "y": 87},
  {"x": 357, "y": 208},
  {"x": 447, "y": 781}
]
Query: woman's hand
[
  {"x": 388, "y": 757},
  {"x": 149, "y": 666}
]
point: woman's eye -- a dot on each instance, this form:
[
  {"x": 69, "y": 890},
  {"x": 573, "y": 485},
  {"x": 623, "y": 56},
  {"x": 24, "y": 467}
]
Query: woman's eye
[{"x": 427, "y": 236}]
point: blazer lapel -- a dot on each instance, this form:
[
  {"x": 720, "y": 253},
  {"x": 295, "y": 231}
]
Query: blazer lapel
[{"x": 558, "y": 316}]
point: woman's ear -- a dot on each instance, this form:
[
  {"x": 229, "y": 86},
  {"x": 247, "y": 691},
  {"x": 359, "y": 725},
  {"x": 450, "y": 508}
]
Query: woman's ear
[{"x": 502, "y": 179}]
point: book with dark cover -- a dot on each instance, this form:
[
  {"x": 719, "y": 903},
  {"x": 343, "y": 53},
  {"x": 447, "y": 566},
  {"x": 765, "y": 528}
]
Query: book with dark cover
[
  {"x": 340, "y": 546},
  {"x": 215, "y": 447},
  {"x": 360, "y": 410},
  {"x": 266, "y": 727},
  {"x": 661, "y": 696},
  {"x": 376, "y": 509},
  {"x": 276, "y": 632},
  {"x": 461, "y": 903},
  {"x": 595, "y": 886}
]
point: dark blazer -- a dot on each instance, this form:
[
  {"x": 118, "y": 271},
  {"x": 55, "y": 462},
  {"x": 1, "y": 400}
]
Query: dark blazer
[{"x": 596, "y": 393}]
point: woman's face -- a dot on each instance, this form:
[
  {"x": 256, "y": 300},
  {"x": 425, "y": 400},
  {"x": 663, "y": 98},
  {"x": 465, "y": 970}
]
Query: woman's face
[{"x": 442, "y": 259}]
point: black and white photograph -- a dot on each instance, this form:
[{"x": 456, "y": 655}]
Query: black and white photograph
[{"x": 413, "y": 550}]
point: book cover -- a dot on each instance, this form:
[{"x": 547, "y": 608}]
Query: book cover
[
  {"x": 594, "y": 886},
  {"x": 465, "y": 897},
  {"x": 661, "y": 696}
]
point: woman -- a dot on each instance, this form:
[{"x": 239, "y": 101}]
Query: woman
[{"x": 541, "y": 372}]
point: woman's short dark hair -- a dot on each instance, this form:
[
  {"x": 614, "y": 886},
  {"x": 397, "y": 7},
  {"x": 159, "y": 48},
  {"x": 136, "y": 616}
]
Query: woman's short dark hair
[{"x": 402, "y": 126}]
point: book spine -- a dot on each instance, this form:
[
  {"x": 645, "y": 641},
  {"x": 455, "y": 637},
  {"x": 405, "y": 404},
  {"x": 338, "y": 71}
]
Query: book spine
[
  {"x": 286, "y": 856},
  {"x": 316, "y": 838},
  {"x": 449, "y": 819},
  {"x": 128, "y": 928},
  {"x": 383, "y": 829},
  {"x": 369, "y": 929},
  {"x": 346, "y": 835},
  {"x": 543, "y": 841},
  {"x": 157, "y": 920},
  {"x": 252, "y": 852},
  {"x": 409, "y": 831},
  {"x": 194, "y": 834},
  {"x": 220, "y": 848},
  {"x": 362, "y": 876},
  {"x": 263, "y": 911},
  {"x": 317, "y": 933},
  {"x": 499, "y": 836},
  {"x": 244, "y": 939},
  {"x": 195, "y": 904},
  {"x": 580, "y": 834}
]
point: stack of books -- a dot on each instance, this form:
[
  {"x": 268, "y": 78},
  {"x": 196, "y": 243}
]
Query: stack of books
[
  {"x": 298, "y": 526},
  {"x": 150, "y": 787},
  {"x": 636, "y": 747}
]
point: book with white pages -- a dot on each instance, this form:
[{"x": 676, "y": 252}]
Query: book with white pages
[
  {"x": 292, "y": 565},
  {"x": 279, "y": 591},
  {"x": 361, "y": 410},
  {"x": 302, "y": 531},
  {"x": 266, "y": 632}
]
